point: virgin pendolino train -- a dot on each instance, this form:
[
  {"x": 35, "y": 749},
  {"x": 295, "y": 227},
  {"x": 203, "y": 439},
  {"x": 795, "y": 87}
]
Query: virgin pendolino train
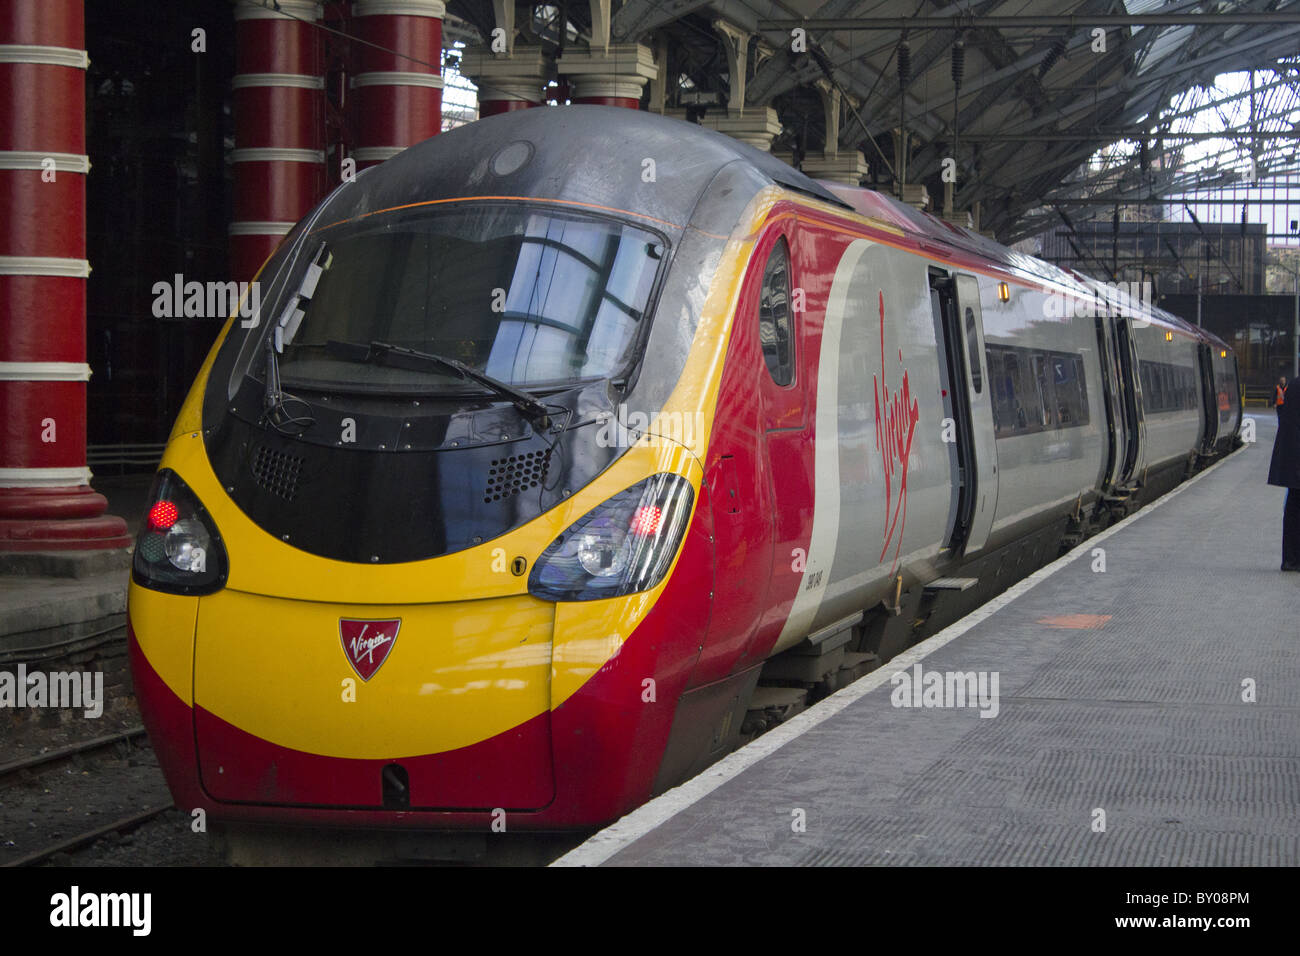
[{"x": 536, "y": 479}]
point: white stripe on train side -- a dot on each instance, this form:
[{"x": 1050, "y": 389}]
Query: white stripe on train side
[{"x": 826, "y": 496}]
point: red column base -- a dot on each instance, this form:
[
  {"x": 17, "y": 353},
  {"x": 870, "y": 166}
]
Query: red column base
[
  {"x": 488, "y": 108},
  {"x": 58, "y": 519},
  {"x": 624, "y": 101}
]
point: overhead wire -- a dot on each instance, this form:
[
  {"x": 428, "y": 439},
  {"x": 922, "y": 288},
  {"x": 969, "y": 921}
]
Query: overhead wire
[{"x": 274, "y": 6}]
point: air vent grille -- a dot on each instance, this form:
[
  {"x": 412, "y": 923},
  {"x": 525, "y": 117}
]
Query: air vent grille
[
  {"x": 508, "y": 477},
  {"x": 277, "y": 472}
]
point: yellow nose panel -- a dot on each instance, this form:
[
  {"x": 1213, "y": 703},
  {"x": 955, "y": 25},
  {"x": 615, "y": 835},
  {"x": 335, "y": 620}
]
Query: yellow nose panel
[{"x": 456, "y": 673}]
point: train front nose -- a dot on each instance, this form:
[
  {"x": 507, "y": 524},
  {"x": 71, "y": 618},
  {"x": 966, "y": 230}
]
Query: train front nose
[{"x": 420, "y": 706}]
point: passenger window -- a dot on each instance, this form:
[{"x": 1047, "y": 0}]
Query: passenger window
[
  {"x": 999, "y": 388},
  {"x": 1023, "y": 393},
  {"x": 1062, "y": 389},
  {"x": 1082, "y": 414},
  {"x": 1071, "y": 393},
  {"x": 1034, "y": 391},
  {"x": 1045, "y": 391},
  {"x": 973, "y": 350},
  {"x": 775, "y": 323}
]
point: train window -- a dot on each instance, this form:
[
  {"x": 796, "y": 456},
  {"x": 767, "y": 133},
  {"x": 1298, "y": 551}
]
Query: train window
[
  {"x": 524, "y": 295},
  {"x": 1015, "y": 400},
  {"x": 1045, "y": 391},
  {"x": 1168, "y": 388},
  {"x": 1016, "y": 418},
  {"x": 1036, "y": 390},
  {"x": 1022, "y": 392},
  {"x": 973, "y": 351},
  {"x": 1070, "y": 389},
  {"x": 998, "y": 388},
  {"x": 775, "y": 323},
  {"x": 1227, "y": 391},
  {"x": 1062, "y": 389},
  {"x": 1081, "y": 379},
  {"x": 1157, "y": 394}
]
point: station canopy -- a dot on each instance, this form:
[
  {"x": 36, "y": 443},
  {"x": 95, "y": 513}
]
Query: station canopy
[{"x": 1040, "y": 107}]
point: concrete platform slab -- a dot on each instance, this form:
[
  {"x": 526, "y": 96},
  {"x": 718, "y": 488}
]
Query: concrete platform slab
[
  {"x": 40, "y": 604},
  {"x": 51, "y": 596}
]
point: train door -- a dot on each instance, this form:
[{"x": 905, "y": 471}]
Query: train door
[
  {"x": 785, "y": 383},
  {"x": 764, "y": 504},
  {"x": 1110, "y": 391},
  {"x": 980, "y": 397},
  {"x": 969, "y": 517},
  {"x": 1130, "y": 398},
  {"x": 757, "y": 387},
  {"x": 1209, "y": 398},
  {"x": 1233, "y": 395}
]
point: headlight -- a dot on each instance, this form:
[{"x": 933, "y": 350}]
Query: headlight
[
  {"x": 178, "y": 549},
  {"x": 620, "y": 547}
]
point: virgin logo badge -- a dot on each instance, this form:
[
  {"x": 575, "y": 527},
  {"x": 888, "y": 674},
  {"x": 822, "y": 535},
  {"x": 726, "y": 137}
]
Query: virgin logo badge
[
  {"x": 897, "y": 413},
  {"x": 367, "y": 643}
]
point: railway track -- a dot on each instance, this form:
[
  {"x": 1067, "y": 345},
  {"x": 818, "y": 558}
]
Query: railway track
[
  {"x": 18, "y": 771},
  {"x": 16, "y": 768},
  {"x": 123, "y": 825}
]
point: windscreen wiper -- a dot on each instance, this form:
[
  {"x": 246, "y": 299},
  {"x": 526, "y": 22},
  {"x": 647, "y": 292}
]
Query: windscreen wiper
[
  {"x": 274, "y": 398},
  {"x": 532, "y": 408},
  {"x": 290, "y": 318}
]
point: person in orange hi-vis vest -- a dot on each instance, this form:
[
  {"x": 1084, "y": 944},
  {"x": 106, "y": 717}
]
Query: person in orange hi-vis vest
[{"x": 1279, "y": 396}]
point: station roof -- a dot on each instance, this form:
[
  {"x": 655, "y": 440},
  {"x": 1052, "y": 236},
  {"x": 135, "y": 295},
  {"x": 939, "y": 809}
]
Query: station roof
[{"x": 1044, "y": 85}]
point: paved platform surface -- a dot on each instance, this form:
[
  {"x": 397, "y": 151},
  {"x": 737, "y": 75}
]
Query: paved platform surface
[
  {"x": 49, "y": 605},
  {"x": 1119, "y": 692}
]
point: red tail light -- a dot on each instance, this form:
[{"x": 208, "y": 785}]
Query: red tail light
[
  {"x": 179, "y": 550},
  {"x": 646, "y": 520},
  {"x": 163, "y": 515}
]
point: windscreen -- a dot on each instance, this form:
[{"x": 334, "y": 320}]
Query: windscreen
[{"x": 529, "y": 296}]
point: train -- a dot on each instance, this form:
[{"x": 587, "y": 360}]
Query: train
[{"x": 570, "y": 448}]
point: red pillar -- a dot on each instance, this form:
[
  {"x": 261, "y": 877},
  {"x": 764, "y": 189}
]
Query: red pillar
[
  {"x": 46, "y": 503},
  {"x": 279, "y": 102},
  {"x": 398, "y": 95}
]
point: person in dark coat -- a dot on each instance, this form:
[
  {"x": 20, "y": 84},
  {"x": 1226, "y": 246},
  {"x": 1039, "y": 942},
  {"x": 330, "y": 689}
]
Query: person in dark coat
[{"x": 1284, "y": 470}]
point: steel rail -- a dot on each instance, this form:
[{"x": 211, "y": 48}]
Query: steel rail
[
  {"x": 72, "y": 750},
  {"x": 124, "y": 824}
]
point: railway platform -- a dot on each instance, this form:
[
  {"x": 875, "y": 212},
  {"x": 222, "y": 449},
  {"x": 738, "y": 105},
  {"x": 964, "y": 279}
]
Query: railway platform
[
  {"x": 1135, "y": 703},
  {"x": 49, "y": 598}
]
